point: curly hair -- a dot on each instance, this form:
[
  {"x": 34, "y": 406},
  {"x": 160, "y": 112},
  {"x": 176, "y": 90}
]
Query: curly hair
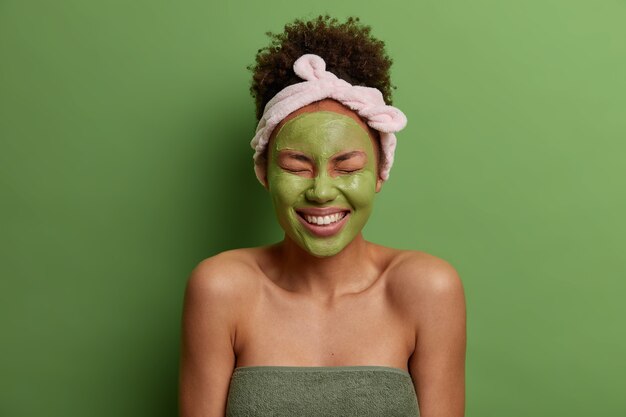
[{"x": 350, "y": 52}]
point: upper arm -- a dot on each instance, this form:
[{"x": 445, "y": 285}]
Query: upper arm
[
  {"x": 208, "y": 326},
  {"x": 438, "y": 362}
]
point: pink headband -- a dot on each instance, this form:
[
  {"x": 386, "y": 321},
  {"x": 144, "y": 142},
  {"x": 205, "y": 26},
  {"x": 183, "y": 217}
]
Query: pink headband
[{"x": 368, "y": 102}]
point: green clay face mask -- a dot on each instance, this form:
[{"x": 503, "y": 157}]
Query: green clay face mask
[{"x": 317, "y": 160}]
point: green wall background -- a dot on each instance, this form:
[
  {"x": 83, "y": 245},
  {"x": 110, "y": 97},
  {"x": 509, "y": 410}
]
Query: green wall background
[{"x": 125, "y": 160}]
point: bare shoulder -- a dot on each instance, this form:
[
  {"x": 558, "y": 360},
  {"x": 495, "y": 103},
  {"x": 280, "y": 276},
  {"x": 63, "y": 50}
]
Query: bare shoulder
[
  {"x": 422, "y": 281},
  {"x": 224, "y": 276},
  {"x": 211, "y": 311},
  {"x": 426, "y": 271},
  {"x": 226, "y": 268}
]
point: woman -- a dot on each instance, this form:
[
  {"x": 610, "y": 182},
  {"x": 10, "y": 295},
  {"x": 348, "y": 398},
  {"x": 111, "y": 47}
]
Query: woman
[{"x": 323, "y": 322}]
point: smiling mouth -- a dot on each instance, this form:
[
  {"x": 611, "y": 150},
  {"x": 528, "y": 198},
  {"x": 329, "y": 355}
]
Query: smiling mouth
[
  {"x": 323, "y": 220},
  {"x": 324, "y": 226}
]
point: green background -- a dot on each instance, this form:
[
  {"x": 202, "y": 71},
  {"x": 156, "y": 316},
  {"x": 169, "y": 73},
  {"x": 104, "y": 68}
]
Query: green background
[{"x": 125, "y": 160}]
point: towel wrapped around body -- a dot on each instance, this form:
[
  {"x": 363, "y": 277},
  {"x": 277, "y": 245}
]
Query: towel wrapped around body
[{"x": 316, "y": 391}]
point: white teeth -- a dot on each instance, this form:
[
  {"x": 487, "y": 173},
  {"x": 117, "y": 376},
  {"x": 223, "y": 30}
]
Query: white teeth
[{"x": 324, "y": 220}]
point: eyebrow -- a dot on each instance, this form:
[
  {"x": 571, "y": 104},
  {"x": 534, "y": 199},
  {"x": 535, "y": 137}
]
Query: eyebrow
[
  {"x": 348, "y": 155},
  {"x": 298, "y": 156},
  {"x": 339, "y": 158}
]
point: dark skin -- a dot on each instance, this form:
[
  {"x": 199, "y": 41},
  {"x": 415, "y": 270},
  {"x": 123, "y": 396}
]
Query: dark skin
[{"x": 332, "y": 311}]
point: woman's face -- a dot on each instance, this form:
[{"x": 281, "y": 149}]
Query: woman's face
[{"x": 322, "y": 177}]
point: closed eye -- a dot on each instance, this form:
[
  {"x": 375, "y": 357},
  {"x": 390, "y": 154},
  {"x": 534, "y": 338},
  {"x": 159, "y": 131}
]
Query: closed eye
[{"x": 296, "y": 170}]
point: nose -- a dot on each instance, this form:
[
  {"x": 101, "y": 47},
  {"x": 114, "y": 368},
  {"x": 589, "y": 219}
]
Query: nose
[{"x": 323, "y": 189}]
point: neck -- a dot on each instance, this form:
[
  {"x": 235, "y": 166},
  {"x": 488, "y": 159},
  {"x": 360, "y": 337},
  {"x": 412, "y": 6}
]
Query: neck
[{"x": 347, "y": 272}]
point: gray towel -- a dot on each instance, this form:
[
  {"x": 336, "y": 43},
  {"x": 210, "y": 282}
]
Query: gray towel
[{"x": 317, "y": 391}]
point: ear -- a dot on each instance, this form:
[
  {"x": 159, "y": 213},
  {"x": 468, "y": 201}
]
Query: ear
[{"x": 379, "y": 184}]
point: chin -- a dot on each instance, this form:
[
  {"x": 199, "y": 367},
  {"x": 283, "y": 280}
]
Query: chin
[
  {"x": 321, "y": 251},
  {"x": 323, "y": 254}
]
